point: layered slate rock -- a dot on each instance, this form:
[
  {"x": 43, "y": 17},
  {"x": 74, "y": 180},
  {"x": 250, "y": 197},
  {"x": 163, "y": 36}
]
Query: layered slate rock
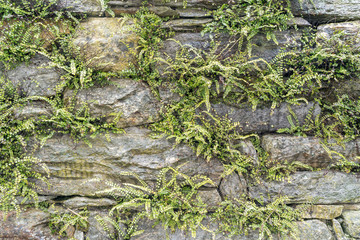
[
  {"x": 31, "y": 224},
  {"x": 131, "y": 99},
  {"x": 308, "y": 150},
  {"x": 72, "y": 166},
  {"x": 322, "y": 11},
  {"x": 106, "y": 43},
  {"x": 338, "y": 231},
  {"x": 326, "y": 187},
  {"x": 35, "y": 78},
  {"x": 264, "y": 119},
  {"x": 89, "y": 7}
]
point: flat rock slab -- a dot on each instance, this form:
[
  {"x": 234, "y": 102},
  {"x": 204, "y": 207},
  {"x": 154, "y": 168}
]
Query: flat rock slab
[
  {"x": 35, "y": 78},
  {"x": 320, "y": 11},
  {"x": 326, "y": 187},
  {"x": 262, "y": 120},
  {"x": 132, "y": 99},
  {"x": 30, "y": 225},
  {"x": 106, "y": 43},
  {"x": 73, "y": 165},
  {"x": 323, "y": 211},
  {"x": 308, "y": 150}
]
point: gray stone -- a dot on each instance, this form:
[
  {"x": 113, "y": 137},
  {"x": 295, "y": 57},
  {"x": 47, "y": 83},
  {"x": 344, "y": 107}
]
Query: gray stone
[
  {"x": 132, "y": 99},
  {"x": 79, "y": 235},
  {"x": 314, "y": 229},
  {"x": 35, "y": 78},
  {"x": 352, "y": 223},
  {"x": 183, "y": 25},
  {"x": 31, "y": 224},
  {"x": 193, "y": 13},
  {"x": 106, "y": 43},
  {"x": 339, "y": 233},
  {"x": 210, "y": 196},
  {"x": 308, "y": 150},
  {"x": 80, "y": 202},
  {"x": 96, "y": 230},
  {"x": 264, "y": 119},
  {"x": 163, "y": 11},
  {"x": 350, "y": 29},
  {"x": 157, "y": 232},
  {"x": 323, "y": 211},
  {"x": 33, "y": 110},
  {"x": 326, "y": 187},
  {"x": 208, "y": 4},
  {"x": 73, "y": 165},
  {"x": 316, "y": 11},
  {"x": 233, "y": 186},
  {"x": 89, "y": 7}
]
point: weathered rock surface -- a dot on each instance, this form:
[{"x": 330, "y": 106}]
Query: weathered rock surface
[
  {"x": 316, "y": 11},
  {"x": 33, "y": 110},
  {"x": 210, "y": 196},
  {"x": 80, "y": 202},
  {"x": 350, "y": 29},
  {"x": 352, "y": 223},
  {"x": 183, "y": 25},
  {"x": 323, "y": 211},
  {"x": 96, "y": 231},
  {"x": 132, "y": 99},
  {"x": 308, "y": 150},
  {"x": 327, "y": 187},
  {"x": 30, "y": 225},
  {"x": 35, "y": 78},
  {"x": 73, "y": 165},
  {"x": 262, "y": 120},
  {"x": 89, "y": 7},
  {"x": 262, "y": 48},
  {"x": 233, "y": 186},
  {"x": 314, "y": 229},
  {"x": 339, "y": 233},
  {"x": 106, "y": 43}
]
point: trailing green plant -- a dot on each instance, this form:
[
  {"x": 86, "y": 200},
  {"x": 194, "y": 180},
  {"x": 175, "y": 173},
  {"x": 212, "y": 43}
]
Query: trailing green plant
[
  {"x": 173, "y": 202},
  {"x": 244, "y": 215},
  {"x": 246, "y": 18},
  {"x": 116, "y": 221},
  {"x": 28, "y": 8},
  {"x": 148, "y": 28},
  {"x": 60, "y": 222}
]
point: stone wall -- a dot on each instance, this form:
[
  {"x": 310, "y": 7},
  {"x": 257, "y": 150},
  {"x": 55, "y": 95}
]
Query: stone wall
[{"x": 74, "y": 166}]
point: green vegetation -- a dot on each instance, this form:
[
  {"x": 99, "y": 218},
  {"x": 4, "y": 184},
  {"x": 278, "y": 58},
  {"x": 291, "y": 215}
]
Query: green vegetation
[
  {"x": 201, "y": 79},
  {"x": 61, "y": 222}
]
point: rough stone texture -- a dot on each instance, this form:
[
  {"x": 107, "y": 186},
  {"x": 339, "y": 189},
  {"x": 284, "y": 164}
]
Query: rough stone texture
[
  {"x": 33, "y": 110},
  {"x": 132, "y": 99},
  {"x": 106, "y": 43},
  {"x": 307, "y": 150},
  {"x": 80, "y": 202},
  {"x": 30, "y": 225},
  {"x": 352, "y": 223},
  {"x": 96, "y": 231},
  {"x": 182, "y": 25},
  {"x": 314, "y": 229},
  {"x": 233, "y": 186},
  {"x": 316, "y": 11},
  {"x": 327, "y": 187},
  {"x": 261, "y": 120},
  {"x": 351, "y": 29},
  {"x": 72, "y": 165},
  {"x": 210, "y": 196},
  {"x": 323, "y": 211},
  {"x": 339, "y": 233},
  {"x": 89, "y": 7},
  {"x": 35, "y": 78},
  {"x": 159, "y": 233},
  {"x": 262, "y": 48}
]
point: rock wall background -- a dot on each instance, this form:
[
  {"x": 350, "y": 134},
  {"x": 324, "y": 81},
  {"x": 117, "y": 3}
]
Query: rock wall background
[{"x": 336, "y": 213}]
